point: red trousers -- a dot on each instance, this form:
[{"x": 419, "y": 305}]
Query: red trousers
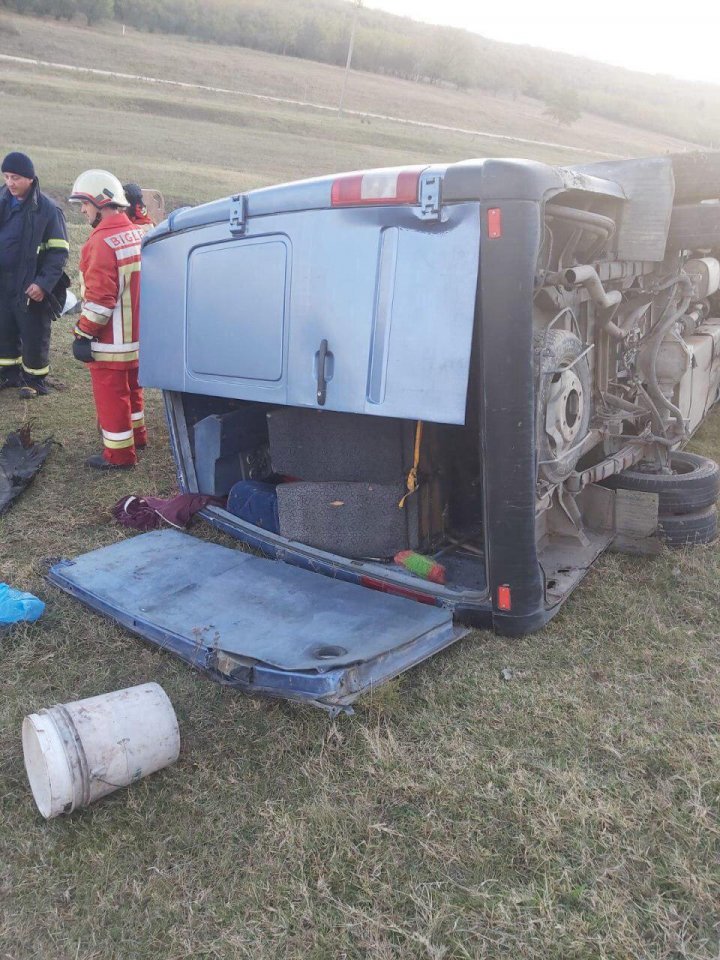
[{"x": 119, "y": 406}]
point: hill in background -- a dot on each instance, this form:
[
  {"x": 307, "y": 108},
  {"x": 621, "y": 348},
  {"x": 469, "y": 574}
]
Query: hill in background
[{"x": 397, "y": 46}]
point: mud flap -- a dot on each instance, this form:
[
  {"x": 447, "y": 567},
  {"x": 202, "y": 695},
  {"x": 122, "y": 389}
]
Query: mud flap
[{"x": 636, "y": 523}]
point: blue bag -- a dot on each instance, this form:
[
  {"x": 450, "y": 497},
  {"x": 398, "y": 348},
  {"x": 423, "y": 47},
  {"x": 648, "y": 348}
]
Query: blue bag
[
  {"x": 16, "y": 605},
  {"x": 255, "y": 502}
]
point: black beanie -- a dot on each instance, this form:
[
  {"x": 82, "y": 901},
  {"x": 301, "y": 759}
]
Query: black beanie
[
  {"x": 20, "y": 164},
  {"x": 133, "y": 194}
]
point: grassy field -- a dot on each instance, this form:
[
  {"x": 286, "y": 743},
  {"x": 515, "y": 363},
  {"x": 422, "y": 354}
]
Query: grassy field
[{"x": 569, "y": 812}]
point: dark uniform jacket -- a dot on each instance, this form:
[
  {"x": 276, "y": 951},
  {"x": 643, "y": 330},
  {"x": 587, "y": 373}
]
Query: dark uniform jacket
[{"x": 44, "y": 244}]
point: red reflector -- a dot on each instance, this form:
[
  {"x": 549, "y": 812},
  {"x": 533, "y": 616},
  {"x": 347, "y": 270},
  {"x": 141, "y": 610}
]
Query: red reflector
[
  {"x": 397, "y": 591},
  {"x": 504, "y": 598},
  {"x": 407, "y": 187},
  {"x": 494, "y": 223},
  {"x": 375, "y": 186},
  {"x": 346, "y": 190}
]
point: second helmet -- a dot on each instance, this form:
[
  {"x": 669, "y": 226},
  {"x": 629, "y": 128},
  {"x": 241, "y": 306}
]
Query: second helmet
[{"x": 100, "y": 187}]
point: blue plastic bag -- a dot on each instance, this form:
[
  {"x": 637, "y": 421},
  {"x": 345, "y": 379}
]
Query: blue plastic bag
[{"x": 16, "y": 605}]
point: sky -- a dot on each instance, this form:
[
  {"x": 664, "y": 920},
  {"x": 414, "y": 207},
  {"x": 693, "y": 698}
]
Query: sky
[{"x": 682, "y": 40}]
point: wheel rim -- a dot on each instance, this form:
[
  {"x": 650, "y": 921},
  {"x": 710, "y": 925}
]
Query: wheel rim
[{"x": 564, "y": 410}]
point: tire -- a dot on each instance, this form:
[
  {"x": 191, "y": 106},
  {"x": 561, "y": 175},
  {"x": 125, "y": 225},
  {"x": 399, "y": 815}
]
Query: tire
[
  {"x": 688, "y": 529},
  {"x": 693, "y": 485},
  {"x": 568, "y": 394}
]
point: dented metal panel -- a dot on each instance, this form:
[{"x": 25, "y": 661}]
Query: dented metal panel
[
  {"x": 645, "y": 217},
  {"x": 304, "y": 635}
]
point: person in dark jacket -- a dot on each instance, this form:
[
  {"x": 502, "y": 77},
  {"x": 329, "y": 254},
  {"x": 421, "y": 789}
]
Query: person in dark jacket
[{"x": 33, "y": 251}]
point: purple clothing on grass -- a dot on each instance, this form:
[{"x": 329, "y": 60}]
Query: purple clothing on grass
[{"x": 148, "y": 513}]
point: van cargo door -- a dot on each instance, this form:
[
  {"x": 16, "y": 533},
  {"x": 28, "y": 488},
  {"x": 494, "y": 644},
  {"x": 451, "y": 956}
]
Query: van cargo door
[
  {"x": 364, "y": 310},
  {"x": 382, "y": 313}
]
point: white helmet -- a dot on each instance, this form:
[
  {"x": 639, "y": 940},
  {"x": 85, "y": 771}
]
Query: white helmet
[{"x": 100, "y": 188}]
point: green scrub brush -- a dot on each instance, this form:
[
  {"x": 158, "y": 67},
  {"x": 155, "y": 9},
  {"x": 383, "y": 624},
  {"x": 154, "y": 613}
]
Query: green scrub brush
[{"x": 421, "y": 566}]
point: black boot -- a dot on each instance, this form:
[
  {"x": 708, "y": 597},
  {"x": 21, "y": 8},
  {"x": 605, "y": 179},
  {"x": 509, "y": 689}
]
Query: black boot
[
  {"x": 33, "y": 387},
  {"x": 98, "y": 462},
  {"x": 10, "y": 377}
]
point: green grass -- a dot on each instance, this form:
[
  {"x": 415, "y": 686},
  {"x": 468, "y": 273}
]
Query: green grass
[{"x": 570, "y": 812}]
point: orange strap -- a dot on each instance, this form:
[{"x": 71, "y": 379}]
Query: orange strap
[{"x": 412, "y": 477}]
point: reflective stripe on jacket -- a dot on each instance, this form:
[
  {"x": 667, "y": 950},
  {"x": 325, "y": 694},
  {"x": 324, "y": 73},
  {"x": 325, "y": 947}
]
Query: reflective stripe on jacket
[{"x": 110, "y": 289}]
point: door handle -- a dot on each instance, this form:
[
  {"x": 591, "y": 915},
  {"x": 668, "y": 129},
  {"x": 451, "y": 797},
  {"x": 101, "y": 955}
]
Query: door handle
[{"x": 321, "y": 355}]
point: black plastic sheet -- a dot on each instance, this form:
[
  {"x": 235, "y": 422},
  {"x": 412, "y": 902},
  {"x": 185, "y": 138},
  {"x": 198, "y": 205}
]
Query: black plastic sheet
[{"x": 20, "y": 459}]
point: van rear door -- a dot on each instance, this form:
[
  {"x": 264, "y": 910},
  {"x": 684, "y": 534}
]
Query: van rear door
[{"x": 360, "y": 308}]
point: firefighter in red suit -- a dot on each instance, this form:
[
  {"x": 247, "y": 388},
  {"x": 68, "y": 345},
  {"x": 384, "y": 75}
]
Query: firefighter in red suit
[
  {"x": 137, "y": 211},
  {"x": 107, "y": 332}
]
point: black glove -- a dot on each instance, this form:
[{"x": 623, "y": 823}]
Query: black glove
[{"x": 82, "y": 350}]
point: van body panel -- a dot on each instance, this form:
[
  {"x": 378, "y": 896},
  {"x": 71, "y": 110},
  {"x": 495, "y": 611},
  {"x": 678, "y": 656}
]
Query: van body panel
[
  {"x": 505, "y": 349},
  {"x": 253, "y": 341}
]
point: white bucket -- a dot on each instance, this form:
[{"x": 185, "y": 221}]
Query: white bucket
[{"x": 77, "y": 752}]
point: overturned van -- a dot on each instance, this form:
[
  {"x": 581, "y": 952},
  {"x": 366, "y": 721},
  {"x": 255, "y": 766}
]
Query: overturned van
[{"x": 494, "y": 363}]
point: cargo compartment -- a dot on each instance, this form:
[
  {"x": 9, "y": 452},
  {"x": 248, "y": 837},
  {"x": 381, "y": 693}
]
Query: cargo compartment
[{"x": 345, "y": 489}]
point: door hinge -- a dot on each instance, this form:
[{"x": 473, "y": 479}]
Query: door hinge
[
  {"x": 238, "y": 213},
  {"x": 430, "y": 197}
]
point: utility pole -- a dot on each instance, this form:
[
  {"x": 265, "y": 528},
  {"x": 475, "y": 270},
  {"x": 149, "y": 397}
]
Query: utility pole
[{"x": 358, "y": 4}]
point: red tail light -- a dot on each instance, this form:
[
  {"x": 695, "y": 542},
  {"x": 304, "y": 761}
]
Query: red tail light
[
  {"x": 504, "y": 597},
  {"x": 376, "y": 186}
]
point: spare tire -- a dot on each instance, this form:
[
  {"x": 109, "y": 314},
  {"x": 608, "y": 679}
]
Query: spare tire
[
  {"x": 693, "y": 485},
  {"x": 688, "y": 529}
]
